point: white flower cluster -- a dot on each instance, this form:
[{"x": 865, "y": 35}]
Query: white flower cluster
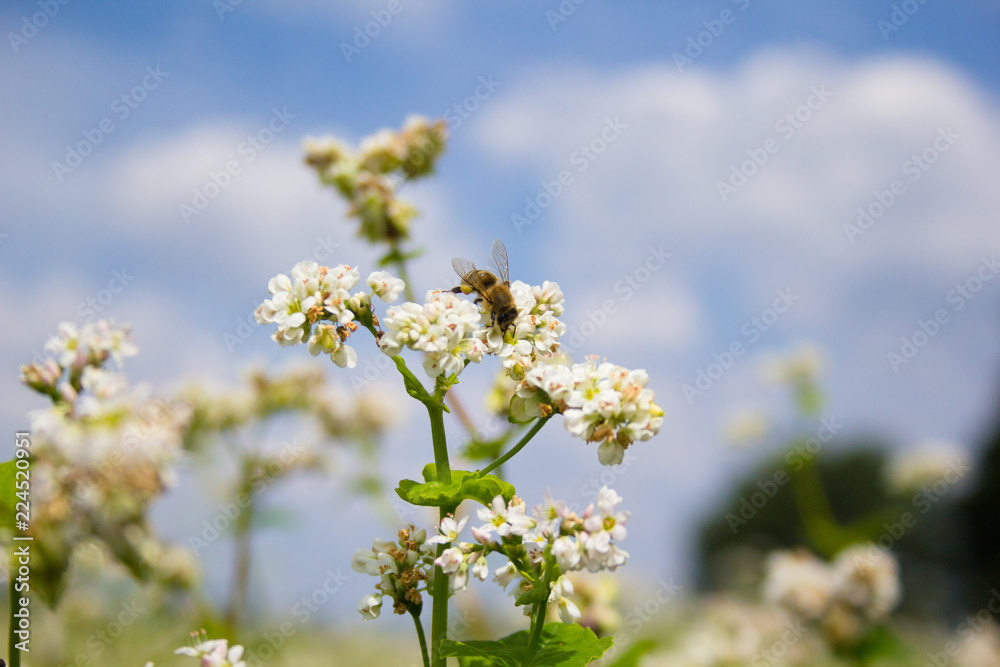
[
  {"x": 403, "y": 567},
  {"x": 601, "y": 402},
  {"x": 442, "y": 327},
  {"x": 535, "y": 332},
  {"x": 576, "y": 542},
  {"x": 213, "y": 652},
  {"x": 453, "y": 331},
  {"x": 103, "y": 452},
  {"x": 74, "y": 349},
  {"x": 367, "y": 177},
  {"x": 364, "y": 413},
  {"x": 915, "y": 470},
  {"x": 717, "y": 631},
  {"x": 860, "y": 587},
  {"x": 316, "y": 306}
]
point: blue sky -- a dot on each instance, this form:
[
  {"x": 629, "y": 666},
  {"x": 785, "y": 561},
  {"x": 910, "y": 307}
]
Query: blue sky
[{"x": 655, "y": 188}]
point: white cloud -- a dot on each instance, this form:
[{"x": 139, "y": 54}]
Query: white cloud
[
  {"x": 657, "y": 183},
  {"x": 685, "y": 132}
]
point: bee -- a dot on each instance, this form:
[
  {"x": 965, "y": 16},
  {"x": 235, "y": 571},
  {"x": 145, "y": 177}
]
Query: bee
[{"x": 493, "y": 288}]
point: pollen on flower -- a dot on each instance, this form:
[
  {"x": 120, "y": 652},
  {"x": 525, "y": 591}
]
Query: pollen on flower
[
  {"x": 315, "y": 306},
  {"x": 442, "y": 327},
  {"x": 600, "y": 402}
]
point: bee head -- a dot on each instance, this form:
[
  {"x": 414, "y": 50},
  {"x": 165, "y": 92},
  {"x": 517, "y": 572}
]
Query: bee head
[{"x": 506, "y": 318}]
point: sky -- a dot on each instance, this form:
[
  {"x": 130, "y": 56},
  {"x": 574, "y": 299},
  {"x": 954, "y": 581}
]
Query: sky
[{"x": 694, "y": 175}]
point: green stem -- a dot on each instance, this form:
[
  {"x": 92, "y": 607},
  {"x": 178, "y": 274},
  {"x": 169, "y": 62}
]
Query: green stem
[
  {"x": 241, "y": 537},
  {"x": 13, "y": 653},
  {"x": 440, "y": 445},
  {"x": 516, "y": 448},
  {"x": 415, "y": 613},
  {"x": 439, "y": 615},
  {"x": 537, "y": 623},
  {"x": 820, "y": 525}
]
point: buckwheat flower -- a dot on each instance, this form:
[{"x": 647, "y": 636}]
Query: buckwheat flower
[
  {"x": 482, "y": 536},
  {"x": 800, "y": 582},
  {"x": 560, "y": 589},
  {"x": 42, "y": 377},
  {"x": 568, "y": 553},
  {"x": 385, "y": 286},
  {"x": 326, "y": 339},
  {"x": 868, "y": 580},
  {"x": 599, "y": 553},
  {"x": 914, "y": 470},
  {"x": 381, "y": 152},
  {"x": 335, "y": 284},
  {"x": 442, "y": 327},
  {"x": 63, "y": 346},
  {"x": 370, "y": 606},
  {"x": 983, "y": 648},
  {"x": 600, "y": 402},
  {"x": 452, "y": 561},
  {"x": 117, "y": 341},
  {"x": 480, "y": 569},
  {"x": 606, "y": 518},
  {"x": 534, "y": 333},
  {"x": 321, "y": 152},
  {"x": 214, "y": 653},
  {"x": 505, "y": 575},
  {"x": 506, "y": 519},
  {"x": 287, "y": 308},
  {"x": 402, "y": 566},
  {"x": 424, "y": 142},
  {"x": 549, "y": 513},
  {"x": 448, "y": 530}
]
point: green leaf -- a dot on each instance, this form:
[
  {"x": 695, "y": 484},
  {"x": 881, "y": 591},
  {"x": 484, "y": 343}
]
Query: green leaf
[
  {"x": 468, "y": 661},
  {"x": 536, "y": 594},
  {"x": 7, "y": 498},
  {"x": 631, "y": 657},
  {"x": 562, "y": 645},
  {"x": 464, "y": 485},
  {"x": 881, "y": 644}
]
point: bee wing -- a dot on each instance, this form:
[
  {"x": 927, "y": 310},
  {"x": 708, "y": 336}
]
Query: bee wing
[
  {"x": 468, "y": 273},
  {"x": 498, "y": 256}
]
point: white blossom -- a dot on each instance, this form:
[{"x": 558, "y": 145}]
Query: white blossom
[
  {"x": 600, "y": 402},
  {"x": 442, "y": 328},
  {"x": 506, "y": 519},
  {"x": 370, "y": 606},
  {"x": 534, "y": 333},
  {"x": 800, "y": 582},
  {"x": 314, "y": 306},
  {"x": 448, "y": 530},
  {"x": 868, "y": 579},
  {"x": 916, "y": 469},
  {"x": 559, "y": 590},
  {"x": 215, "y": 653},
  {"x": 385, "y": 286}
]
